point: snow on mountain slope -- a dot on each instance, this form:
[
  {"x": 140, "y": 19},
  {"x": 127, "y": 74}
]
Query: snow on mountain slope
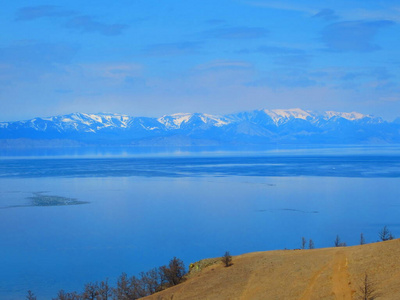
[
  {"x": 348, "y": 116},
  {"x": 276, "y": 125},
  {"x": 101, "y": 119},
  {"x": 280, "y": 116},
  {"x": 215, "y": 120},
  {"x": 89, "y": 122},
  {"x": 175, "y": 121}
]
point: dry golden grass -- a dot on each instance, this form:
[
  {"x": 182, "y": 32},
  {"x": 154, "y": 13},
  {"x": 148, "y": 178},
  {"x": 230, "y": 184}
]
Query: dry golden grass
[{"x": 329, "y": 273}]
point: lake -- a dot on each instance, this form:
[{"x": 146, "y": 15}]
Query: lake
[{"x": 66, "y": 220}]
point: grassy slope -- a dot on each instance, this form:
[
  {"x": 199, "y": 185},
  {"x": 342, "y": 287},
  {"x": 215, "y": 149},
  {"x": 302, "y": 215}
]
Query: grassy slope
[{"x": 330, "y": 273}]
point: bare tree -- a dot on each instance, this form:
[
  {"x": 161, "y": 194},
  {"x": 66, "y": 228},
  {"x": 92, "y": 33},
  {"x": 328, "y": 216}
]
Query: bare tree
[
  {"x": 362, "y": 239},
  {"x": 147, "y": 283},
  {"x": 123, "y": 291},
  {"x": 337, "y": 241},
  {"x": 67, "y": 296},
  {"x": 303, "y": 242},
  {"x": 367, "y": 289},
  {"x": 311, "y": 244},
  {"x": 91, "y": 291},
  {"x": 385, "y": 234},
  {"x": 31, "y": 296},
  {"x": 138, "y": 288},
  {"x": 173, "y": 274},
  {"x": 105, "y": 291},
  {"x": 151, "y": 281},
  {"x": 227, "y": 259}
]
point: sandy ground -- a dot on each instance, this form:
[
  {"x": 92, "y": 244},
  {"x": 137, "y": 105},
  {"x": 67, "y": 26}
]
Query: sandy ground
[{"x": 330, "y": 273}]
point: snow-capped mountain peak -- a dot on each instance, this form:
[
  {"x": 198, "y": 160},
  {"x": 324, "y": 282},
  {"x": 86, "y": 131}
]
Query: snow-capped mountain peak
[
  {"x": 174, "y": 121},
  {"x": 352, "y": 116},
  {"x": 216, "y": 120}
]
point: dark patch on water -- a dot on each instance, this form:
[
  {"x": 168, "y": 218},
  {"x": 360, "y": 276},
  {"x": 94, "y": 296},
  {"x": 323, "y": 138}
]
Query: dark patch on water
[{"x": 40, "y": 199}]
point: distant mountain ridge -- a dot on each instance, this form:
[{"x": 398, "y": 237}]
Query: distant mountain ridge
[{"x": 286, "y": 126}]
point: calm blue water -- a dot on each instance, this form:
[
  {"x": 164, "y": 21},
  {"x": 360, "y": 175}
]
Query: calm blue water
[{"x": 145, "y": 210}]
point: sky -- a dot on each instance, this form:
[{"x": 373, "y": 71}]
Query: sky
[{"x": 156, "y": 57}]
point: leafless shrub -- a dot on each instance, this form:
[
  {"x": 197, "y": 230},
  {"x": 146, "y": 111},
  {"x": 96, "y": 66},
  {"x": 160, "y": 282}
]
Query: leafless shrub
[
  {"x": 311, "y": 244},
  {"x": 227, "y": 259},
  {"x": 385, "y": 234},
  {"x": 303, "y": 243},
  {"x": 30, "y": 296},
  {"x": 362, "y": 239},
  {"x": 338, "y": 243},
  {"x": 367, "y": 289}
]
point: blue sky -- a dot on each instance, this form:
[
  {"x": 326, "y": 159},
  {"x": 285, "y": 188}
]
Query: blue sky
[{"x": 155, "y": 57}]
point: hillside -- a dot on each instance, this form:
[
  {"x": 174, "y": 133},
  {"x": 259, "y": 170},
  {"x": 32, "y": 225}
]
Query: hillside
[
  {"x": 259, "y": 127},
  {"x": 330, "y": 273}
]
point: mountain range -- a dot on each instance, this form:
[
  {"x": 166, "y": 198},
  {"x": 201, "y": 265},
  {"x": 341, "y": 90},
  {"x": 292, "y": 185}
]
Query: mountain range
[{"x": 258, "y": 127}]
